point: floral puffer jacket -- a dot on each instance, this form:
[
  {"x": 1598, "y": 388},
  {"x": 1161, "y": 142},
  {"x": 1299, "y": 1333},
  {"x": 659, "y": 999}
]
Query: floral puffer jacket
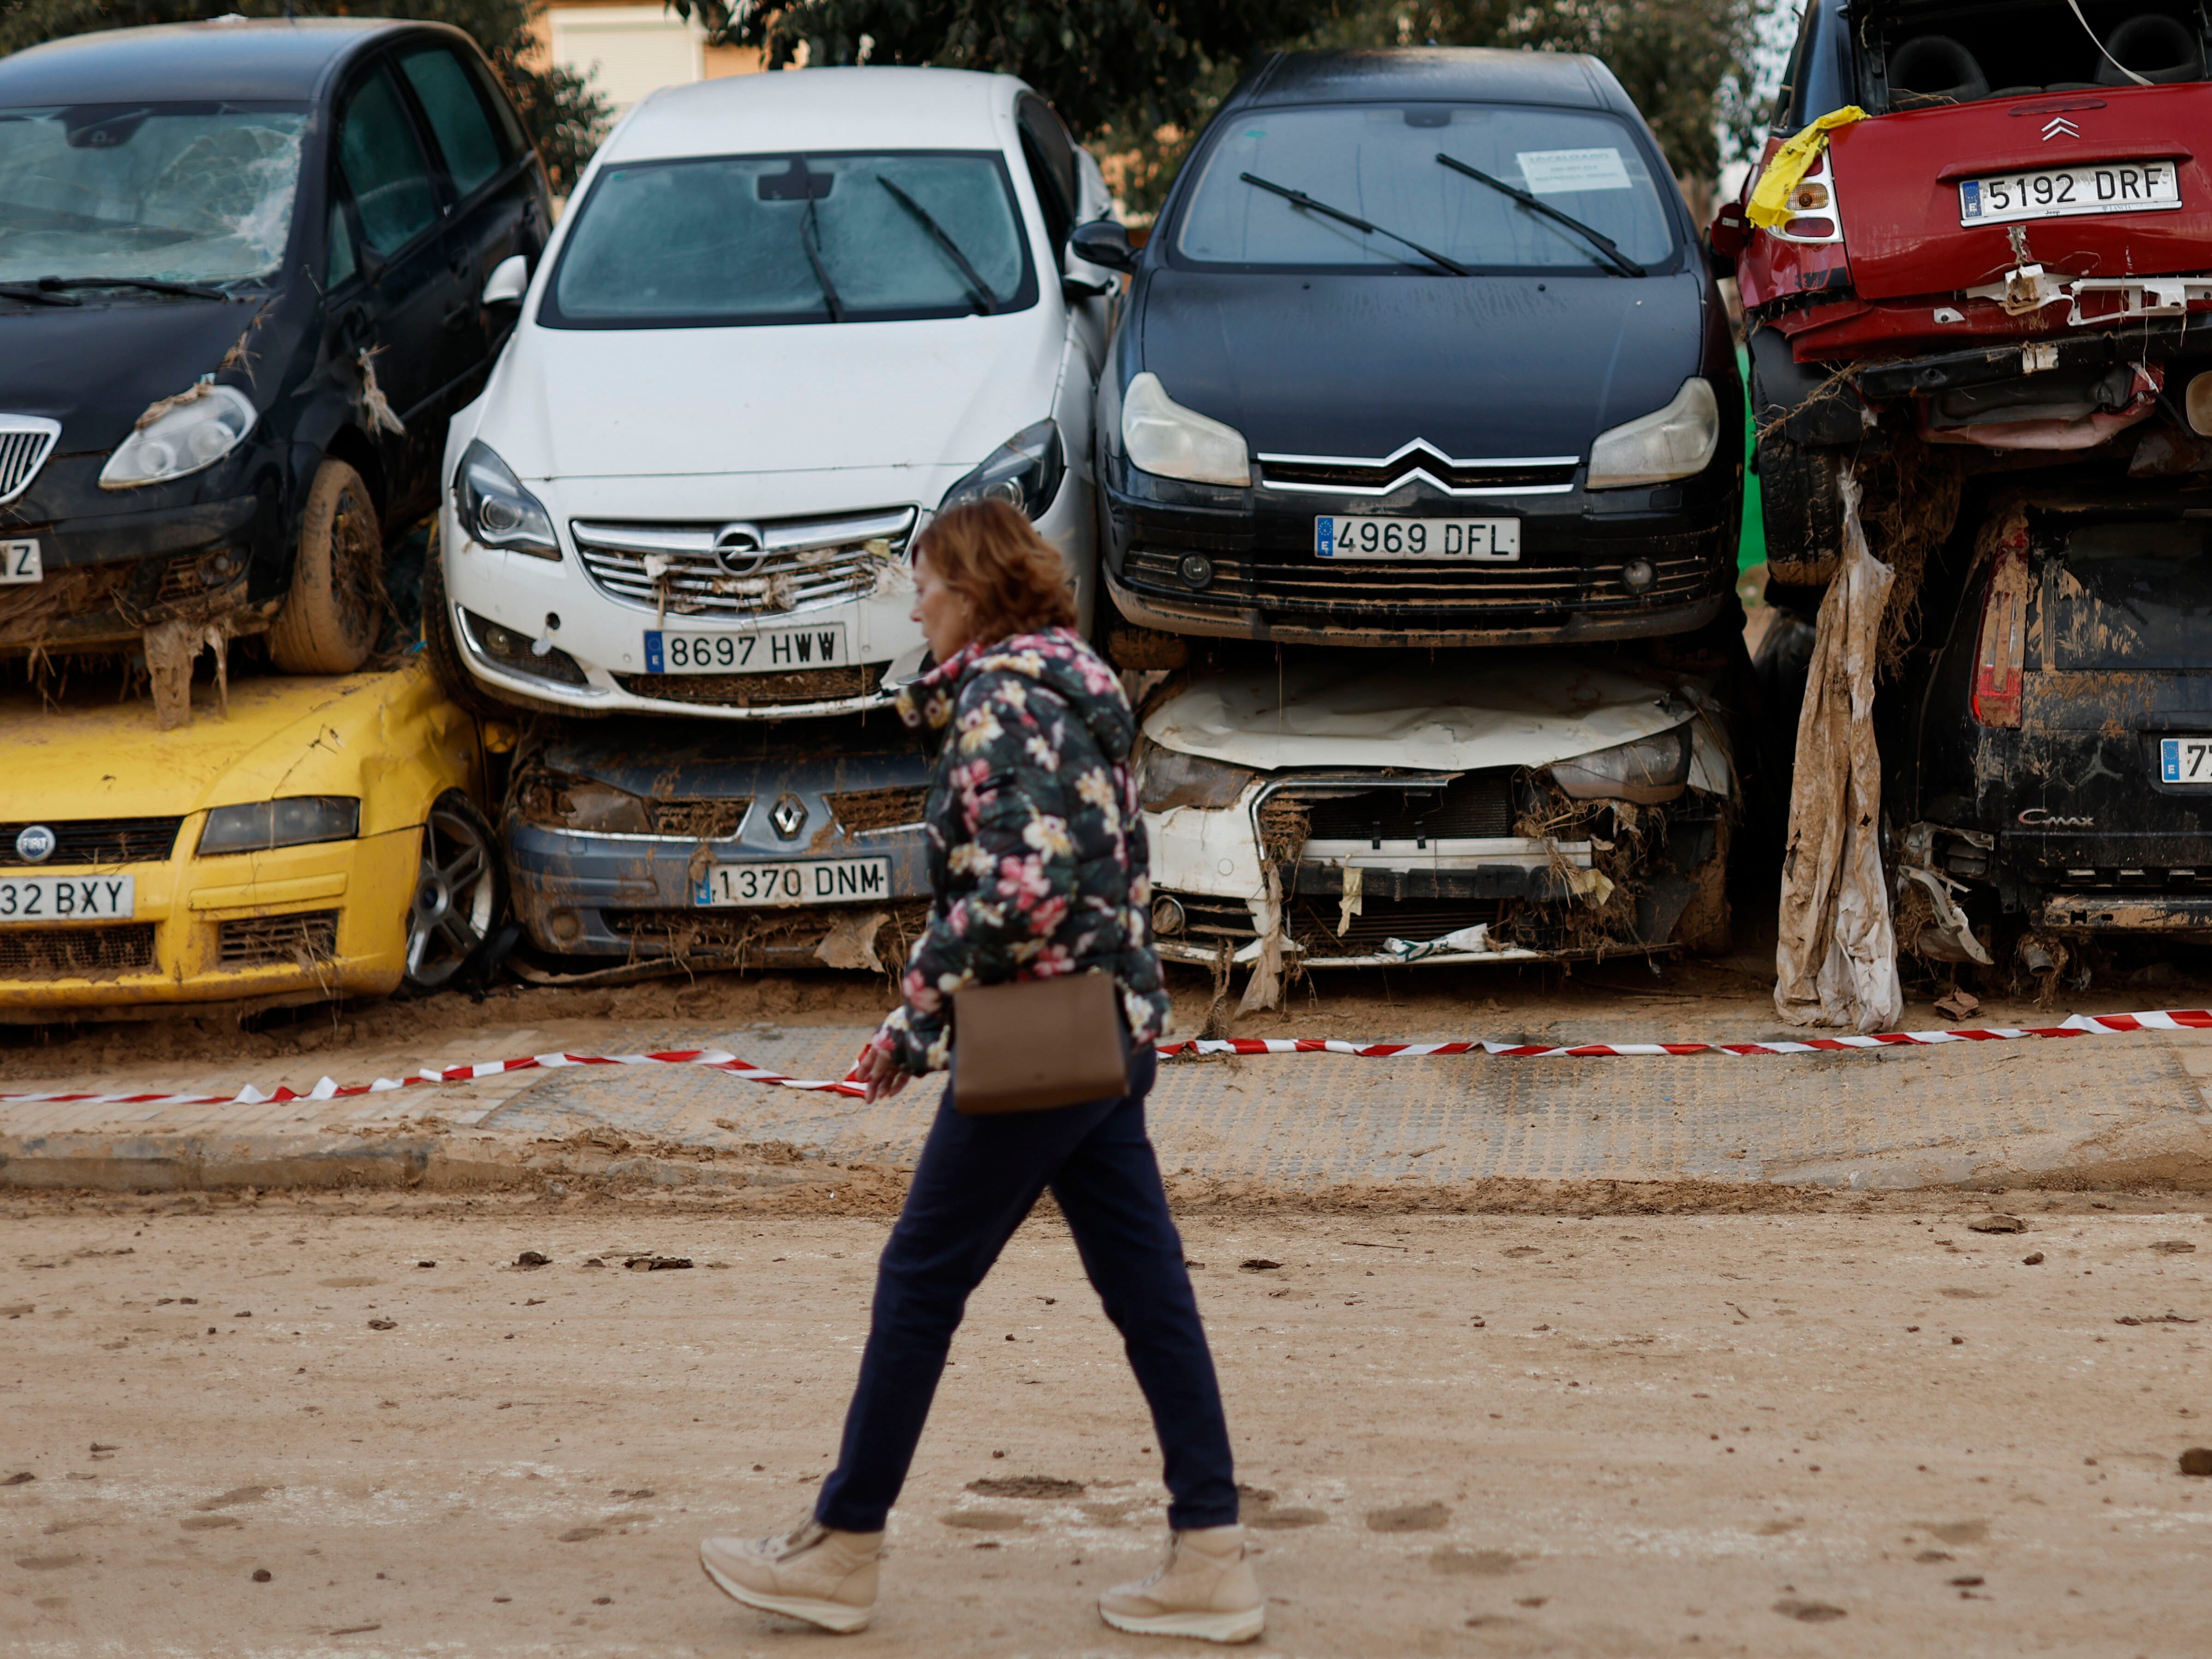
[{"x": 1036, "y": 847}]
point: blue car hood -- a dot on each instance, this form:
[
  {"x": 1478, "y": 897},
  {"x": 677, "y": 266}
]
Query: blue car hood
[{"x": 1479, "y": 366}]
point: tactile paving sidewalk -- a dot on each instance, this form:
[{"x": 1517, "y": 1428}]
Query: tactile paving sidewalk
[{"x": 1904, "y": 1117}]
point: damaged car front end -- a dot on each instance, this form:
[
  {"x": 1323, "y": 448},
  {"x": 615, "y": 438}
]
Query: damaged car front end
[
  {"x": 721, "y": 847},
  {"x": 1487, "y": 807}
]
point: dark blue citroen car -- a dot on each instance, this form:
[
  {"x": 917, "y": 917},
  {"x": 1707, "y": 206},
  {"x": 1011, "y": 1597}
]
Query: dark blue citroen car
[{"x": 1423, "y": 350}]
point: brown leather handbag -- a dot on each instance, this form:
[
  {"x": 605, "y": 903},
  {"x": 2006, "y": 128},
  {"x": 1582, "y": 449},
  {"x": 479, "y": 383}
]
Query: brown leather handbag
[{"x": 1031, "y": 1045}]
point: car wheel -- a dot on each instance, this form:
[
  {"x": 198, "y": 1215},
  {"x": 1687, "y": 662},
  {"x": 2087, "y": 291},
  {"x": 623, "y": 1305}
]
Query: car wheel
[
  {"x": 332, "y": 614},
  {"x": 1705, "y": 928},
  {"x": 460, "y": 892},
  {"x": 1801, "y": 495}
]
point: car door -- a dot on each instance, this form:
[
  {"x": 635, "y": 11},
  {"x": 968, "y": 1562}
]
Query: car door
[
  {"x": 400, "y": 332},
  {"x": 492, "y": 191}
]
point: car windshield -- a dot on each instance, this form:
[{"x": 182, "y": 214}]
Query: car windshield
[
  {"x": 1379, "y": 163},
  {"x": 176, "y": 192},
  {"x": 747, "y": 239}
]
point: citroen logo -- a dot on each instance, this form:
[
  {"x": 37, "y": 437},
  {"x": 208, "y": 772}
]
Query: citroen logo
[
  {"x": 788, "y": 817},
  {"x": 2059, "y": 127},
  {"x": 738, "y": 549},
  {"x": 35, "y": 843}
]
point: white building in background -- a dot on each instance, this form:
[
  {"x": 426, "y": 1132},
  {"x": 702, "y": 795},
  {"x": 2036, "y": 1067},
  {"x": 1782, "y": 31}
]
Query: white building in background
[{"x": 628, "y": 48}]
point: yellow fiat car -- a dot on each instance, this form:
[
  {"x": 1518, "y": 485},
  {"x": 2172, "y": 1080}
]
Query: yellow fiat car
[{"x": 320, "y": 838}]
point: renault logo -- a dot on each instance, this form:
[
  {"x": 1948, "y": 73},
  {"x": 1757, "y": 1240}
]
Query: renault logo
[
  {"x": 2059, "y": 127},
  {"x": 738, "y": 549},
  {"x": 788, "y": 817},
  {"x": 35, "y": 843}
]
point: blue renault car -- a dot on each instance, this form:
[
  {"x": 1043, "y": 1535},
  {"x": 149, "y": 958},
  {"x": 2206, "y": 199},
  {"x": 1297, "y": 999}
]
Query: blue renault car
[{"x": 791, "y": 846}]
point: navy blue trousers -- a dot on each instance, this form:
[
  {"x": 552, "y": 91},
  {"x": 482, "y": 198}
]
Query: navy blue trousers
[{"x": 977, "y": 1179}]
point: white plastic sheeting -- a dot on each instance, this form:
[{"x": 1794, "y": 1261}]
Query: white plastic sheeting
[{"x": 1836, "y": 963}]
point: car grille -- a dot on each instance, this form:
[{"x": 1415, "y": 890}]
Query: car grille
[
  {"x": 1478, "y": 805},
  {"x": 1543, "y": 474},
  {"x": 1385, "y": 592},
  {"x": 25, "y": 443},
  {"x": 782, "y": 565},
  {"x": 859, "y": 811},
  {"x": 1208, "y": 921},
  {"x": 277, "y": 941},
  {"x": 97, "y": 841},
  {"x": 1313, "y": 921},
  {"x": 76, "y": 952},
  {"x": 705, "y": 818},
  {"x": 795, "y": 931},
  {"x": 754, "y": 690}
]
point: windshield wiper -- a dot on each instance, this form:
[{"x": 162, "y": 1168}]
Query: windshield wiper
[
  {"x": 150, "y": 284},
  {"x": 809, "y": 234},
  {"x": 1298, "y": 198},
  {"x": 1613, "y": 255},
  {"x": 36, "y": 296},
  {"x": 978, "y": 287}
]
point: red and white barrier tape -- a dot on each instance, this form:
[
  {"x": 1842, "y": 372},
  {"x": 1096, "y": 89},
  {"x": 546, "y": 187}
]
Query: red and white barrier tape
[{"x": 2171, "y": 1019}]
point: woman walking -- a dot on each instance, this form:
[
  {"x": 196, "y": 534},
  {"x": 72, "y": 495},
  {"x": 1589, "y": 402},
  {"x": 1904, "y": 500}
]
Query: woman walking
[{"x": 1038, "y": 859}]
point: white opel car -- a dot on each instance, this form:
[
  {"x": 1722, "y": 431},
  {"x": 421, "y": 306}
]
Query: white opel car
[{"x": 784, "y": 319}]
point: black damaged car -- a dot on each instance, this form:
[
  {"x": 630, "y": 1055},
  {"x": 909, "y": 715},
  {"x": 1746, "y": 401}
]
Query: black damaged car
[
  {"x": 1423, "y": 350},
  {"x": 2049, "y": 751},
  {"x": 245, "y": 276}
]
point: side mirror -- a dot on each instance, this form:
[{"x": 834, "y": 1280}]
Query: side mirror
[
  {"x": 509, "y": 282},
  {"x": 1103, "y": 242}
]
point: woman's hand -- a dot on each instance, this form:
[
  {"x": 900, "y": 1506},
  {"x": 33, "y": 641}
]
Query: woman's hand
[{"x": 879, "y": 1074}]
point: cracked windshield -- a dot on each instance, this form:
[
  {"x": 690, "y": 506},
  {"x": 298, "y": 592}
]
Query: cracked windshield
[
  {"x": 176, "y": 192},
  {"x": 784, "y": 239},
  {"x": 1382, "y": 165}
]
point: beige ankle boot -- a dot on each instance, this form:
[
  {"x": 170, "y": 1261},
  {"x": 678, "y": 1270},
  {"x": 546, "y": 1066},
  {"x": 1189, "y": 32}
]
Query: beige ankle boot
[
  {"x": 1204, "y": 1588},
  {"x": 814, "y": 1572}
]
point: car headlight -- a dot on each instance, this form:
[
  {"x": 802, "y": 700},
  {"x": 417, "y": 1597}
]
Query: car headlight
[
  {"x": 1164, "y": 438},
  {"x": 1677, "y": 441},
  {"x": 1025, "y": 472},
  {"x": 495, "y": 510},
  {"x": 1166, "y": 778},
  {"x": 176, "y": 438},
  {"x": 560, "y": 800},
  {"x": 294, "y": 820},
  {"x": 1649, "y": 772}
]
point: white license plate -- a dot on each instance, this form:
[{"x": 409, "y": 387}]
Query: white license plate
[
  {"x": 2185, "y": 761},
  {"x": 20, "y": 562},
  {"x": 1368, "y": 538},
  {"x": 68, "y": 898},
  {"x": 808, "y": 881},
  {"x": 2054, "y": 192},
  {"x": 762, "y": 651}
]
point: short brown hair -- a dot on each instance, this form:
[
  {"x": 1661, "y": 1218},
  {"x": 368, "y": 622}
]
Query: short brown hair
[{"x": 1014, "y": 581}]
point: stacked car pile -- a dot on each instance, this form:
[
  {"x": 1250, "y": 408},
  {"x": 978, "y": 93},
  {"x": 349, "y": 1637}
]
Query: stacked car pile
[{"x": 1394, "y": 475}]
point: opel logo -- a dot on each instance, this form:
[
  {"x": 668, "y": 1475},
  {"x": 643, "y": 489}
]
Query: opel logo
[
  {"x": 2059, "y": 127},
  {"x": 738, "y": 549},
  {"x": 788, "y": 817},
  {"x": 35, "y": 843}
]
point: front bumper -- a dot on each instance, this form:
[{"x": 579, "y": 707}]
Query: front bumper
[
  {"x": 636, "y": 896},
  {"x": 1568, "y": 586},
  {"x": 299, "y": 924},
  {"x": 2168, "y": 915}
]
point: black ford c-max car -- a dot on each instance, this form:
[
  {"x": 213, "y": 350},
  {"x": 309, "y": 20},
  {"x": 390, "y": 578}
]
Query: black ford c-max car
[
  {"x": 242, "y": 283},
  {"x": 1423, "y": 350}
]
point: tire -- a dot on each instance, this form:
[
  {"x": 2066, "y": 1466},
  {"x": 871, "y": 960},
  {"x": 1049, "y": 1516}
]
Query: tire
[
  {"x": 1705, "y": 928},
  {"x": 334, "y": 608},
  {"x": 460, "y": 894},
  {"x": 1802, "y": 497}
]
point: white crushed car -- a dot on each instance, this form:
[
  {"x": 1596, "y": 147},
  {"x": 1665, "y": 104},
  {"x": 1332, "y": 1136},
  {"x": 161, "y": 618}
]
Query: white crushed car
[
  {"x": 1468, "y": 807},
  {"x": 784, "y": 319}
]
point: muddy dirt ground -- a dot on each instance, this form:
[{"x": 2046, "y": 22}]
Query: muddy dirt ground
[{"x": 336, "y": 1426}]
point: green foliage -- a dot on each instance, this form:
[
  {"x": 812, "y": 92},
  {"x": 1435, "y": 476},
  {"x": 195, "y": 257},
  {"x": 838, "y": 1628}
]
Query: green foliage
[
  {"x": 1143, "y": 63},
  {"x": 562, "y": 116}
]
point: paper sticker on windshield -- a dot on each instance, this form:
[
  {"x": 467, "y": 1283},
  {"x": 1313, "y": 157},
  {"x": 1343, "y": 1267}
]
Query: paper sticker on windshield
[{"x": 1561, "y": 172}]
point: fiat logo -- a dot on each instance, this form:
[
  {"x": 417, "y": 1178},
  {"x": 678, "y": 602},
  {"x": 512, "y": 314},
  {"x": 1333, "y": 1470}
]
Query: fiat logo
[{"x": 35, "y": 843}]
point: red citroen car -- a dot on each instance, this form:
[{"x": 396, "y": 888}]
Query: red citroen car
[{"x": 2004, "y": 245}]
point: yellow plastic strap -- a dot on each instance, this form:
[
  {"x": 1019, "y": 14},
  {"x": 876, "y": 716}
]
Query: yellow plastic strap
[{"x": 1770, "y": 202}]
